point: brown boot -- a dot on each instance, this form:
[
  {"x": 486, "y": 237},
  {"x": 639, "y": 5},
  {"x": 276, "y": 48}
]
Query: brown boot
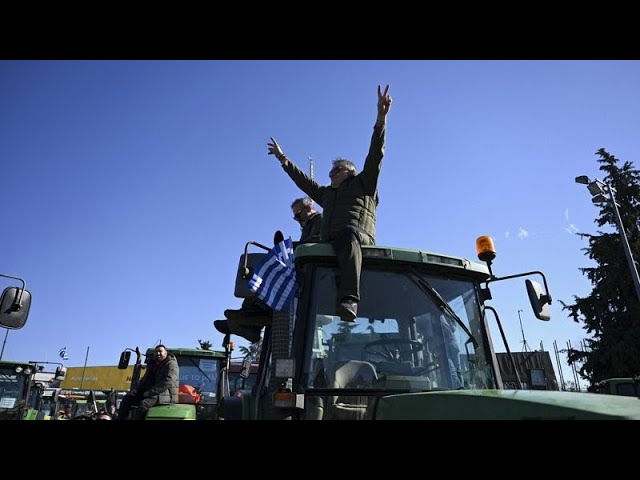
[
  {"x": 251, "y": 333},
  {"x": 251, "y": 314}
]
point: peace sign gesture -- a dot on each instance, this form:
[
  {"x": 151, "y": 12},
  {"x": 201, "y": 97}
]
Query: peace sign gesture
[{"x": 384, "y": 101}]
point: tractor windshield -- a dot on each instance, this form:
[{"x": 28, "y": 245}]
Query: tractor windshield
[
  {"x": 200, "y": 373},
  {"x": 405, "y": 339},
  {"x": 12, "y": 387}
]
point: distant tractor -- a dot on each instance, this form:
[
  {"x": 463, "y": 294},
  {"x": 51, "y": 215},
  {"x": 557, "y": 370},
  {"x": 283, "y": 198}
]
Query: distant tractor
[
  {"x": 20, "y": 395},
  {"x": 203, "y": 380},
  {"x": 15, "y": 387},
  {"x": 16, "y": 378},
  {"x": 627, "y": 387}
]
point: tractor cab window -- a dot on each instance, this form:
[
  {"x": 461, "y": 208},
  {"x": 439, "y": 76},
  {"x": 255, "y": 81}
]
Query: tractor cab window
[
  {"x": 12, "y": 386},
  {"x": 402, "y": 339},
  {"x": 202, "y": 374},
  {"x": 236, "y": 382},
  {"x": 626, "y": 389}
]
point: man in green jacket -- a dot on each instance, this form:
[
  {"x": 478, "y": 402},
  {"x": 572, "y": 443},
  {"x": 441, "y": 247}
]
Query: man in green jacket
[{"x": 349, "y": 207}]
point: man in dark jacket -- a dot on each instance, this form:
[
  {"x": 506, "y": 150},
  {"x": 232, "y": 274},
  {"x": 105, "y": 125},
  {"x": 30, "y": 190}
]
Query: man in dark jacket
[
  {"x": 247, "y": 322},
  {"x": 349, "y": 207},
  {"x": 158, "y": 386},
  {"x": 309, "y": 219}
]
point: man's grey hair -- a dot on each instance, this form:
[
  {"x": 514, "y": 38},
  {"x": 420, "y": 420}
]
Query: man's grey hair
[
  {"x": 303, "y": 202},
  {"x": 343, "y": 162}
]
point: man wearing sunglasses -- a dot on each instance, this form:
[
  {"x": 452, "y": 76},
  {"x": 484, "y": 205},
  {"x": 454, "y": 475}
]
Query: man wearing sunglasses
[
  {"x": 349, "y": 207},
  {"x": 309, "y": 219},
  {"x": 247, "y": 322}
]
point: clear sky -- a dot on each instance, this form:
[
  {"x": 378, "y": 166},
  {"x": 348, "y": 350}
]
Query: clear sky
[{"x": 130, "y": 187}]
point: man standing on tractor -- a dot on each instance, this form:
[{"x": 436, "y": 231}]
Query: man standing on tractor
[{"x": 349, "y": 206}]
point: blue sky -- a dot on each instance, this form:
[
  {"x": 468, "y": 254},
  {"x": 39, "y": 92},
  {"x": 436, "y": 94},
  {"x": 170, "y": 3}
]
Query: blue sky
[{"x": 130, "y": 187}]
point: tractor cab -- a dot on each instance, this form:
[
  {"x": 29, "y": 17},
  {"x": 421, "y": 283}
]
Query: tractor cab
[
  {"x": 15, "y": 386},
  {"x": 420, "y": 328},
  {"x": 420, "y": 347}
]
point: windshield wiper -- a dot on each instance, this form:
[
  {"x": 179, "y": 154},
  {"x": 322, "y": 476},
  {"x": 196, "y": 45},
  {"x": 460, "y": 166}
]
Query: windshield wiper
[
  {"x": 423, "y": 285},
  {"x": 4, "y": 378},
  {"x": 198, "y": 367}
]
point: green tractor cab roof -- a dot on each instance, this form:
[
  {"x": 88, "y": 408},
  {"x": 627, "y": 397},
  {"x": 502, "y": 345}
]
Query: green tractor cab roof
[
  {"x": 617, "y": 380},
  {"x": 384, "y": 255},
  {"x": 190, "y": 352},
  {"x": 23, "y": 366}
]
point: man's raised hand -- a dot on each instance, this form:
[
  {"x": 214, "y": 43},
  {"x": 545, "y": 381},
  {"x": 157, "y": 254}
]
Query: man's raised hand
[
  {"x": 384, "y": 101},
  {"x": 274, "y": 149}
]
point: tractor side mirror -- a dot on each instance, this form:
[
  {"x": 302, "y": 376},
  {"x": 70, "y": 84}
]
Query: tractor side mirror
[
  {"x": 539, "y": 301},
  {"x": 245, "y": 272},
  {"x": 61, "y": 372},
  {"x": 124, "y": 360},
  {"x": 14, "y": 307}
]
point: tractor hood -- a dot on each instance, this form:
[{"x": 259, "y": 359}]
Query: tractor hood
[{"x": 506, "y": 405}]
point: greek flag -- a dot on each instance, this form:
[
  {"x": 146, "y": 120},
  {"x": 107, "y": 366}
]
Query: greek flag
[
  {"x": 63, "y": 353},
  {"x": 274, "y": 278}
]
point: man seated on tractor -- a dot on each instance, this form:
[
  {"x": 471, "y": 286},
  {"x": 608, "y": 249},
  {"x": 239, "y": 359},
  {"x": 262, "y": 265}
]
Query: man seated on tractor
[{"x": 158, "y": 386}]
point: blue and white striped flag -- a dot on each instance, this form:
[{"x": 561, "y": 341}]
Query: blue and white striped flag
[
  {"x": 63, "y": 353},
  {"x": 274, "y": 278}
]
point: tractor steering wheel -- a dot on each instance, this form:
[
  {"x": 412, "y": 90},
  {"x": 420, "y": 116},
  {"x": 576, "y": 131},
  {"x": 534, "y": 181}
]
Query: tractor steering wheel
[{"x": 391, "y": 349}]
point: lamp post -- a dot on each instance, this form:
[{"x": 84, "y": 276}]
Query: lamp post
[
  {"x": 4, "y": 343},
  {"x": 525, "y": 347},
  {"x": 598, "y": 188}
]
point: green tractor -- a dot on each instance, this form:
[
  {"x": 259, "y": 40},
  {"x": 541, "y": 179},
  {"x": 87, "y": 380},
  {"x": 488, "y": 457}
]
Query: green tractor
[
  {"x": 203, "y": 380},
  {"x": 22, "y": 397},
  {"x": 624, "y": 386},
  {"x": 420, "y": 348},
  {"x": 16, "y": 379}
]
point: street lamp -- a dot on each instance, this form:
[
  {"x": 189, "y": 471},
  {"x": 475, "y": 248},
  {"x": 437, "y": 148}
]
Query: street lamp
[
  {"x": 598, "y": 189},
  {"x": 525, "y": 347},
  {"x": 4, "y": 343}
]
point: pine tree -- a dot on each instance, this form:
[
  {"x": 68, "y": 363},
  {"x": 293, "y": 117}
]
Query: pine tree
[{"x": 611, "y": 312}]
